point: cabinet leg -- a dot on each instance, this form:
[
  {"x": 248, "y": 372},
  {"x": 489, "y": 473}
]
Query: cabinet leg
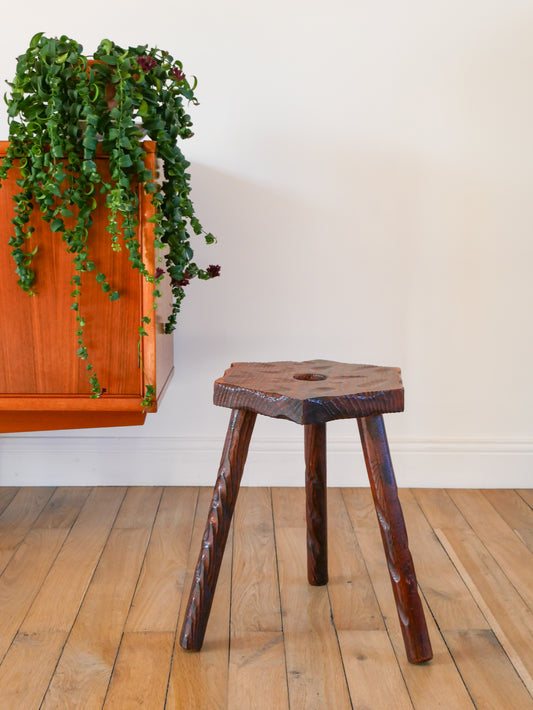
[
  {"x": 394, "y": 536},
  {"x": 316, "y": 503},
  {"x": 217, "y": 528}
]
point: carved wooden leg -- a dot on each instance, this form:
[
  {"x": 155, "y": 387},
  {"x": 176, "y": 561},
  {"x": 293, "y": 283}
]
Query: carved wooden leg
[
  {"x": 217, "y": 528},
  {"x": 316, "y": 503},
  {"x": 394, "y": 536}
]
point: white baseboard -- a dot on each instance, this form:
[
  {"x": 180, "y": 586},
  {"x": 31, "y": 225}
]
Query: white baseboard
[{"x": 157, "y": 460}]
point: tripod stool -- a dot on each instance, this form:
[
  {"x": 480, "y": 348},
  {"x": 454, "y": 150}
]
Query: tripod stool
[{"x": 311, "y": 393}]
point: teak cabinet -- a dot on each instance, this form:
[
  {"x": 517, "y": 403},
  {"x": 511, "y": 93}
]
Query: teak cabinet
[{"x": 43, "y": 383}]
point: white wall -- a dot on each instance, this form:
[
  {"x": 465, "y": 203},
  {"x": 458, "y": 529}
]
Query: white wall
[{"x": 368, "y": 170}]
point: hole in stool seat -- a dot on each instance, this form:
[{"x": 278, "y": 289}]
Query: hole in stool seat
[{"x": 310, "y": 376}]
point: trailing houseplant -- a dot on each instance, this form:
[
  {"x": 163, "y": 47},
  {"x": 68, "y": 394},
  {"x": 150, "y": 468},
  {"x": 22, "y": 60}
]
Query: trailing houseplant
[{"x": 63, "y": 108}]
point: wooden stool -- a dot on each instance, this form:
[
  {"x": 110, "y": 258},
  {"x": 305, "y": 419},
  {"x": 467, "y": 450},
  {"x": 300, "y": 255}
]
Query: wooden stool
[{"x": 311, "y": 393}]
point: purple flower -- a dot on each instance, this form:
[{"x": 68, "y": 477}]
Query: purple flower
[
  {"x": 159, "y": 272},
  {"x": 180, "y": 283},
  {"x": 146, "y": 63},
  {"x": 177, "y": 74},
  {"x": 213, "y": 271}
]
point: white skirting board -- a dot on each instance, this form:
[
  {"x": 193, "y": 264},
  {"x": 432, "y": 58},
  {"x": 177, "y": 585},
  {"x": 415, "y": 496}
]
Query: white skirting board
[{"x": 163, "y": 460}]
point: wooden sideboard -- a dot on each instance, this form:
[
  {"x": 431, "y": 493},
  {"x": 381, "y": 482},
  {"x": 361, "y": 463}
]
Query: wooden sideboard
[{"x": 43, "y": 383}]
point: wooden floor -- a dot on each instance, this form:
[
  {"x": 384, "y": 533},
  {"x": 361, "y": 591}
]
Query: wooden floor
[{"x": 92, "y": 581}]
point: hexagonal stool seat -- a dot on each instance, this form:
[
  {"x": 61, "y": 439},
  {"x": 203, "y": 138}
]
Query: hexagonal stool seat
[{"x": 311, "y": 393}]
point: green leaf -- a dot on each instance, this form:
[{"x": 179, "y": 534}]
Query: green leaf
[
  {"x": 100, "y": 278},
  {"x": 35, "y": 40},
  {"x": 57, "y": 225},
  {"x": 89, "y": 167},
  {"x": 125, "y": 161},
  {"x": 90, "y": 143},
  {"x": 114, "y": 296},
  {"x": 109, "y": 59}
]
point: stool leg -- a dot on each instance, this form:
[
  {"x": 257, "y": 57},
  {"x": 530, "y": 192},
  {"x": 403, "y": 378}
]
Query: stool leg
[
  {"x": 316, "y": 503},
  {"x": 217, "y": 528},
  {"x": 394, "y": 536}
]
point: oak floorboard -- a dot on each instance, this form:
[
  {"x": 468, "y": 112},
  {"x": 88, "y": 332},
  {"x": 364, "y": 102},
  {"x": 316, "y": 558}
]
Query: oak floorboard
[
  {"x": 526, "y": 494},
  {"x": 23, "y": 577},
  {"x": 96, "y": 582},
  {"x": 353, "y": 601},
  {"x": 500, "y": 540},
  {"x": 432, "y": 686},
  {"x": 516, "y": 513},
  {"x": 6, "y": 496},
  {"x": 439, "y": 509},
  {"x": 257, "y": 654},
  {"x": 315, "y": 671},
  {"x": 491, "y": 679},
  {"x": 27, "y": 669},
  {"x": 444, "y": 589},
  {"x": 199, "y": 681},
  {"x": 139, "y": 508},
  {"x": 289, "y": 510},
  {"x": 18, "y": 517},
  {"x": 372, "y": 670},
  {"x": 257, "y": 676},
  {"x": 56, "y": 605},
  {"x": 85, "y": 666},
  {"x": 509, "y": 616},
  {"x": 63, "y": 507},
  {"x": 140, "y": 674},
  {"x": 504, "y": 609},
  {"x": 255, "y": 592},
  {"x": 157, "y": 597}
]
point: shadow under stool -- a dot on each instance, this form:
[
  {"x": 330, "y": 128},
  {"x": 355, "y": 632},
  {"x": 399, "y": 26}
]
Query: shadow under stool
[{"x": 311, "y": 393}]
